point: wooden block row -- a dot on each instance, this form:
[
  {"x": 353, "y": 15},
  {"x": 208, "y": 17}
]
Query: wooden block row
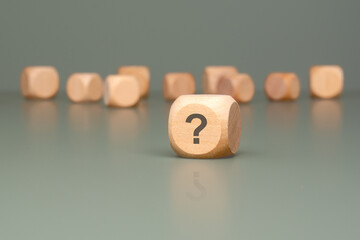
[
  {"x": 43, "y": 82},
  {"x": 122, "y": 90}
]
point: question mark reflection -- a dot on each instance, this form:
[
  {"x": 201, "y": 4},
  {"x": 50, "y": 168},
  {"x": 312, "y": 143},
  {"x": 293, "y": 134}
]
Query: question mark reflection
[
  {"x": 200, "y": 187},
  {"x": 200, "y": 127}
]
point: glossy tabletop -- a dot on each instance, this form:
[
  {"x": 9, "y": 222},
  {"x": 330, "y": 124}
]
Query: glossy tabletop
[{"x": 84, "y": 171}]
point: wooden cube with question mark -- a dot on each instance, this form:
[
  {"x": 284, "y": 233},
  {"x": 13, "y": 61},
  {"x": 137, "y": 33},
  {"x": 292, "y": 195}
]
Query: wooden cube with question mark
[{"x": 204, "y": 126}]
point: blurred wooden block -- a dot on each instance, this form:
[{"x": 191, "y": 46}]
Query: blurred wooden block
[
  {"x": 121, "y": 91},
  {"x": 177, "y": 84},
  {"x": 241, "y": 87},
  {"x": 84, "y": 87},
  {"x": 204, "y": 126},
  {"x": 141, "y": 73},
  {"x": 41, "y": 82},
  {"x": 326, "y": 81},
  {"x": 282, "y": 86},
  {"x": 212, "y": 74}
]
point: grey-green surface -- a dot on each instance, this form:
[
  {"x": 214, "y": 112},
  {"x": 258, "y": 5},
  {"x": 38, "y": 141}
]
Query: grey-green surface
[
  {"x": 83, "y": 171},
  {"x": 258, "y": 37}
]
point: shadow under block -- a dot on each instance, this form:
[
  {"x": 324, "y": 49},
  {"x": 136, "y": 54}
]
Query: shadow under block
[
  {"x": 241, "y": 87},
  {"x": 121, "y": 91},
  {"x": 141, "y": 73},
  {"x": 204, "y": 126},
  {"x": 282, "y": 86},
  {"x": 212, "y": 74},
  {"x": 39, "y": 82},
  {"x": 84, "y": 87},
  {"x": 177, "y": 84},
  {"x": 326, "y": 81}
]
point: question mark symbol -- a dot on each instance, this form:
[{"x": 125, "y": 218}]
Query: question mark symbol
[
  {"x": 200, "y": 187},
  {"x": 200, "y": 127}
]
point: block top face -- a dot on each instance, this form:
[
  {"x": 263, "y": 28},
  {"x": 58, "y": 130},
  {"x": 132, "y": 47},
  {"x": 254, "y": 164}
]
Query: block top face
[
  {"x": 326, "y": 81},
  {"x": 39, "y": 81}
]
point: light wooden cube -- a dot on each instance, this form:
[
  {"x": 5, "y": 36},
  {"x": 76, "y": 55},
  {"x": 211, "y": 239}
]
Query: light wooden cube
[
  {"x": 241, "y": 87},
  {"x": 282, "y": 86},
  {"x": 212, "y": 74},
  {"x": 177, "y": 84},
  {"x": 84, "y": 87},
  {"x": 41, "y": 82},
  {"x": 204, "y": 126},
  {"x": 326, "y": 81},
  {"x": 141, "y": 73},
  {"x": 121, "y": 91}
]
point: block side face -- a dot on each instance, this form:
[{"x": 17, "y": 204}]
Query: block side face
[
  {"x": 294, "y": 87},
  {"x": 107, "y": 91},
  {"x": 167, "y": 87},
  {"x": 24, "y": 83},
  {"x": 213, "y": 74},
  {"x": 234, "y": 127},
  {"x": 95, "y": 88}
]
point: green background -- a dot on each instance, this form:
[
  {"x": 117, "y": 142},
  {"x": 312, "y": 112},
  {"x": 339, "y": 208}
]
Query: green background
[{"x": 256, "y": 36}]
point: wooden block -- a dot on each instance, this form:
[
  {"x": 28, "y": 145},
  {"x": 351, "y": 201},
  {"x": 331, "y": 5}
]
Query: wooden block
[
  {"x": 212, "y": 75},
  {"x": 241, "y": 87},
  {"x": 84, "y": 87},
  {"x": 121, "y": 91},
  {"x": 41, "y": 82},
  {"x": 204, "y": 126},
  {"x": 177, "y": 84},
  {"x": 282, "y": 86},
  {"x": 141, "y": 73},
  {"x": 326, "y": 81}
]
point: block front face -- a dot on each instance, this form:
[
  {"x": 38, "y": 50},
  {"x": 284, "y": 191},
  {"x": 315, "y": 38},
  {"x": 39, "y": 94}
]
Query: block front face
[
  {"x": 141, "y": 73},
  {"x": 204, "y": 126},
  {"x": 184, "y": 131},
  {"x": 121, "y": 91},
  {"x": 326, "y": 81},
  {"x": 39, "y": 82}
]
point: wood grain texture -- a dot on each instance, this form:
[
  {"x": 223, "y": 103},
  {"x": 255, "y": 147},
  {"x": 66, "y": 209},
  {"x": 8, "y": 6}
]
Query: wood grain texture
[
  {"x": 121, "y": 91},
  {"x": 141, "y": 73},
  {"x": 84, "y": 87},
  {"x": 39, "y": 82},
  {"x": 212, "y": 74},
  {"x": 177, "y": 84},
  {"x": 326, "y": 81},
  {"x": 281, "y": 86},
  {"x": 221, "y": 135},
  {"x": 240, "y": 86}
]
